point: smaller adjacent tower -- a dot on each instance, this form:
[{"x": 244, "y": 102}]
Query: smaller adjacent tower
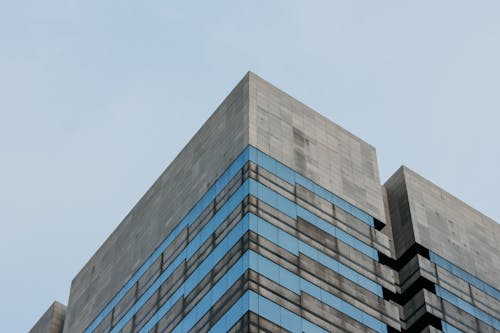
[{"x": 447, "y": 258}]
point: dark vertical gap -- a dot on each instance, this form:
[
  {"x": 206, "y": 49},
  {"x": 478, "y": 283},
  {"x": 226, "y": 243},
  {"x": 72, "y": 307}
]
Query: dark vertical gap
[{"x": 378, "y": 225}]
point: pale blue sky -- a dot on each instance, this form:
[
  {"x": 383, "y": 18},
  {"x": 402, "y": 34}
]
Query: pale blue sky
[{"x": 97, "y": 98}]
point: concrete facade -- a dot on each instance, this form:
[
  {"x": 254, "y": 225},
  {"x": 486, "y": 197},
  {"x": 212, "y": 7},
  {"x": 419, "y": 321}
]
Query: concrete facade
[
  {"x": 52, "y": 320},
  {"x": 300, "y": 196},
  {"x": 447, "y": 256},
  {"x": 164, "y": 204},
  {"x": 442, "y": 223},
  {"x": 314, "y": 146}
]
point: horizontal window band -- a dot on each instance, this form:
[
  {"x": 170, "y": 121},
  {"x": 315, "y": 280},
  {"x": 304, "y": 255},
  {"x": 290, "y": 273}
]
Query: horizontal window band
[
  {"x": 343, "y": 270},
  {"x": 295, "y": 246},
  {"x": 438, "y": 313},
  {"x": 486, "y": 314},
  {"x": 294, "y": 211},
  {"x": 447, "y": 284},
  {"x": 194, "y": 261},
  {"x": 293, "y": 177},
  {"x": 253, "y": 302},
  {"x": 322, "y": 241},
  {"x": 458, "y": 321},
  {"x": 222, "y": 305},
  {"x": 198, "y": 208},
  {"x": 467, "y": 307},
  {"x": 253, "y": 323},
  {"x": 183, "y": 254},
  {"x": 447, "y": 328},
  {"x": 201, "y": 325},
  {"x": 476, "y": 282},
  {"x": 313, "y": 202},
  {"x": 260, "y": 159},
  {"x": 327, "y": 279},
  {"x": 166, "y": 309},
  {"x": 375, "y": 288},
  {"x": 232, "y": 275},
  {"x": 333, "y": 321},
  {"x": 183, "y": 269},
  {"x": 190, "y": 300},
  {"x": 172, "y": 318},
  {"x": 452, "y": 288},
  {"x": 192, "y": 280},
  {"x": 285, "y": 278},
  {"x": 305, "y": 305}
]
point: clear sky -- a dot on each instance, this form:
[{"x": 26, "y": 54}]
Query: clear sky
[{"x": 98, "y": 97}]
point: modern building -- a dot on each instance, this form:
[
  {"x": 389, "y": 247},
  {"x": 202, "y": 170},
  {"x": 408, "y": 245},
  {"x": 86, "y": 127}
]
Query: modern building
[{"x": 274, "y": 219}]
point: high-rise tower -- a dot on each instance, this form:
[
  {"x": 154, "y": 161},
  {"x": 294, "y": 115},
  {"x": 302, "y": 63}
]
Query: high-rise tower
[{"x": 273, "y": 219}]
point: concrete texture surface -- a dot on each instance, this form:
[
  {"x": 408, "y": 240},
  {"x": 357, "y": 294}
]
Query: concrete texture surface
[
  {"x": 176, "y": 191},
  {"x": 52, "y": 320},
  {"x": 314, "y": 146},
  {"x": 254, "y": 113},
  {"x": 423, "y": 213}
]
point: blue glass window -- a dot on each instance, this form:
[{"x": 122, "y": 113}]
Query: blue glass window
[
  {"x": 278, "y": 237},
  {"x": 481, "y": 285},
  {"x": 447, "y": 328},
  {"x": 467, "y": 307}
]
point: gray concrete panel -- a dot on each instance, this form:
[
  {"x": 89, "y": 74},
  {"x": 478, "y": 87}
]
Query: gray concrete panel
[
  {"x": 400, "y": 227},
  {"x": 181, "y": 185},
  {"x": 314, "y": 146},
  {"x": 52, "y": 320},
  {"x": 422, "y": 212}
]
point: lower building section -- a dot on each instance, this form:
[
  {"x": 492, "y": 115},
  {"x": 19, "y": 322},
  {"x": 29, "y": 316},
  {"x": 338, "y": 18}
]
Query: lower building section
[
  {"x": 266, "y": 249},
  {"x": 265, "y": 246}
]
